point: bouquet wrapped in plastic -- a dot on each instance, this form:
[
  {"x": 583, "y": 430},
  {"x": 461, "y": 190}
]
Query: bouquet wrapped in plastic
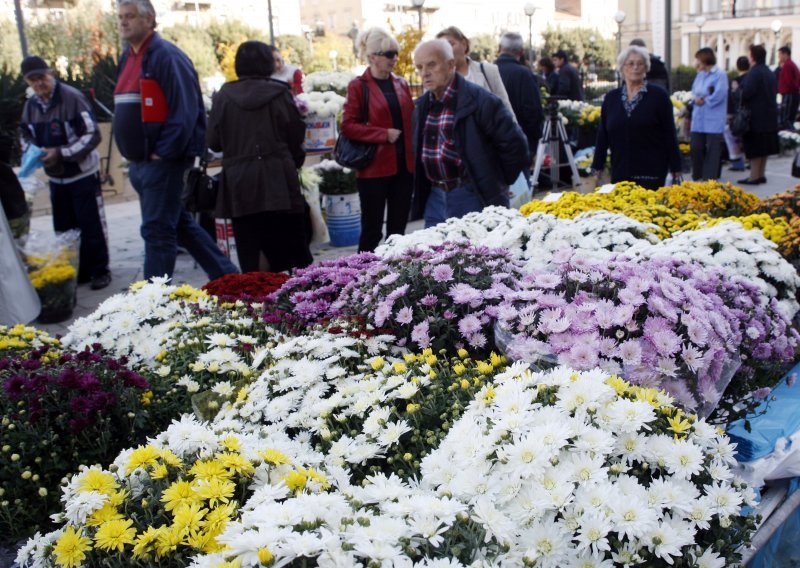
[{"x": 53, "y": 269}]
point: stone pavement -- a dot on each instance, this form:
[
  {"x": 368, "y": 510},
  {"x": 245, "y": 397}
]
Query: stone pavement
[{"x": 127, "y": 249}]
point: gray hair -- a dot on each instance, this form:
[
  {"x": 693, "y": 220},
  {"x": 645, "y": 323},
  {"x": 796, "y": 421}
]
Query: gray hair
[
  {"x": 512, "y": 42},
  {"x": 144, "y": 7},
  {"x": 633, "y": 50},
  {"x": 441, "y": 45}
]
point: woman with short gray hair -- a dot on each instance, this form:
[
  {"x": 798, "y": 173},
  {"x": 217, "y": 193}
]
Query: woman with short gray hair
[{"x": 637, "y": 125}]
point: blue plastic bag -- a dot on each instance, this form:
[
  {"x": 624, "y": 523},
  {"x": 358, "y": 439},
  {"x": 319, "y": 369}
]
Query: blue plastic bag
[{"x": 31, "y": 161}]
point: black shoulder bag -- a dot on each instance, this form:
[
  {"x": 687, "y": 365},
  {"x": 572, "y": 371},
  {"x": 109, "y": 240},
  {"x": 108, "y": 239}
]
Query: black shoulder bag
[
  {"x": 352, "y": 153},
  {"x": 199, "y": 189}
]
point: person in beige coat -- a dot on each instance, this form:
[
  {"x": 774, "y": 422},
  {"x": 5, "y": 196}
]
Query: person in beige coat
[
  {"x": 256, "y": 125},
  {"x": 482, "y": 73}
]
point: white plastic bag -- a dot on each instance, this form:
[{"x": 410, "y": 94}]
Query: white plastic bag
[
  {"x": 19, "y": 302},
  {"x": 519, "y": 193}
]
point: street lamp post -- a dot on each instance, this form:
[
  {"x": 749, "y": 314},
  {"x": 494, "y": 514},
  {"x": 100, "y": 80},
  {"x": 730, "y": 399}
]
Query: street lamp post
[
  {"x": 619, "y": 17},
  {"x": 775, "y": 26},
  {"x": 700, "y": 21},
  {"x": 530, "y": 10},
  {"x": 592, "y": 67},
  {"x": 418, "y": 4}
]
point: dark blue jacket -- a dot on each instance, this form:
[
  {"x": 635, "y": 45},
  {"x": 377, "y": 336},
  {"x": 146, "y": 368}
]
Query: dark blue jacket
[
  {"x": 569, "y": 83},
  {"x": 491, "y": 145},
  {"x": 183, "y": 134},
  {"x": 759, "y": 88},
  {"x": 644, "y": 145},
  {"x": 523, "y": 92}
]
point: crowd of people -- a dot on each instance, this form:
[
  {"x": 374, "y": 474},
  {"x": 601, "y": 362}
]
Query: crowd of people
[{"x": 471, "y": 134}]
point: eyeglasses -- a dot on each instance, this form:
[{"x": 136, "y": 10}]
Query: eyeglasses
[
  {"x": 636, "y": 64},
  {"x": 387, "y": 54}
]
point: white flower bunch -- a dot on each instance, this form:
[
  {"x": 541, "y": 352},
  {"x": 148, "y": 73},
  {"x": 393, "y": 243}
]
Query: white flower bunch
[
  {"x": 535, "y": 238},
  {"x": 684, "y": 97},
  {"x": 742, "y": 252},
  {"x": 327, "y": 81},
  {"x": 134, "y": 324},
  {"x": 325, "y": 103},
  {"x": 328, "y": 166},
  {"x": 789, "y": 140},
  {"x": 562, "y": 467}
]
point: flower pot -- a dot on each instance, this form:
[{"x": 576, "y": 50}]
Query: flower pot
[
  {"x": 320, "y": 134},
  {"x": 344, "y": 218},
  {"x": 58, "y": 301}
]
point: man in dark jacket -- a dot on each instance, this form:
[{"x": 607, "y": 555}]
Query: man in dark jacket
[
  {"x": 521, "y": 86},
  {"x": 159, "y": 126},
  {"x": 59, "y": 120},
  {"x": 467, "y": 147},
  {"x": 569, "y": 82},
  {"x": 658, "y": 71}
]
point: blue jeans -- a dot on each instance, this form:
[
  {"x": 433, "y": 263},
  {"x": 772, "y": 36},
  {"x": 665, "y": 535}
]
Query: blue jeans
[
  {"x": 166, "y": 224},
  {"x": 457, "y": 202}
]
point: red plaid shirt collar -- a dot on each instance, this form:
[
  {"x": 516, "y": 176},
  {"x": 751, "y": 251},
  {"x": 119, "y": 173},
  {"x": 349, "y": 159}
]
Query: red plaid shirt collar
[{"x": 448, "y": 99}]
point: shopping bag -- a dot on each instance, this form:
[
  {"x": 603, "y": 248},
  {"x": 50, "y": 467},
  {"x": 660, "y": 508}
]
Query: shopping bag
[{"x": 519, "y": 193}]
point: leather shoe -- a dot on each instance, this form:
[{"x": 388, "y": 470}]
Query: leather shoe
[
  {"x": 757, "y": 181},
  {"x": 101, "y": 281}
]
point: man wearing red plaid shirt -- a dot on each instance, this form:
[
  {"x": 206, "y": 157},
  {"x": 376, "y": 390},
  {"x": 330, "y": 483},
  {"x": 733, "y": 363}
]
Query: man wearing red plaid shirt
[
  {"x": 788, "y": 87},
  {"x": 467, "y": 146}
]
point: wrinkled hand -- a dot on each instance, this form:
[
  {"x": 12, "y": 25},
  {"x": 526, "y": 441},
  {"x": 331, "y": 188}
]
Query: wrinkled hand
[
  {"x": 154, "y": 157},
  {"x": 50, "y": 156},
  {"x": 700, "y": 101},
  {"x": 392, "y": 134}
]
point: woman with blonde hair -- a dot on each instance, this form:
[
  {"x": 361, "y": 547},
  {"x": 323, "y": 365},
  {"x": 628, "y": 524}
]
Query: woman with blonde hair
[
  {"x": 487, "y": 75},
  {"x": 386, "y": 183}
]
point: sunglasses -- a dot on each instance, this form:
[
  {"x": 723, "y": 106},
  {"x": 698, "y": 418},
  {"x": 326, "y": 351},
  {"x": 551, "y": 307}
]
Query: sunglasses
[{"x": 387, "y": 54}]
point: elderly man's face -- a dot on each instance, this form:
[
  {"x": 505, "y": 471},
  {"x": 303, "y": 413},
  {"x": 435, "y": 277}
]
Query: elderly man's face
[
  {"x": 133, "y": 28},
  {"x": 42, "y": 84},
  {"x": 435, "y": 71}
]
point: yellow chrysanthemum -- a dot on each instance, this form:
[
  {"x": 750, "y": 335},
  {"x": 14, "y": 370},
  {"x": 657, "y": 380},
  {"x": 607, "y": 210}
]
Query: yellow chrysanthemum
[
  {"x": 265, "y": 556},
  {"x": 188, "y": 516},
  {"x": 143, "y": 456},
  {"x": 167, "y": 541},
  {"x": 71, "y": 547},
  {"x": 144, "y": 545},
  {"x": 295, "y": 481},
  {"x": 114, "y": 535},
  {"x": 108, "y": 512},
  {"x": 215, "y": 490},
  {"x": 97, "y": 480},
  {"x": 236, "y": 462},
  {"x": 206, "y": 470},
  {"x": 178, "y": 494},
  {"x": 274, "y": 457},
  {"x": 218, "y": 518},
  {"x": 232, "y": 443}
]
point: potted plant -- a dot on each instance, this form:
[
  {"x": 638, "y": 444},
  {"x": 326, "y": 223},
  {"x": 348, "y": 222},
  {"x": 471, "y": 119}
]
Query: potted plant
[
  {"x": 341, "y": 202},
  {"x": 53, "y": 271}
]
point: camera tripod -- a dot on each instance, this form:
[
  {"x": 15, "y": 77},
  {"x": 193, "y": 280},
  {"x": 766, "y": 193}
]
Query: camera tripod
[{"x": 553, "y": 136}]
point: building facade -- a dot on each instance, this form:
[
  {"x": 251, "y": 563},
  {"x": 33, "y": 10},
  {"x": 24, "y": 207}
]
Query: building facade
[
  {"x": 729, "y": 27},
  {"x": 473, "y": 17}
]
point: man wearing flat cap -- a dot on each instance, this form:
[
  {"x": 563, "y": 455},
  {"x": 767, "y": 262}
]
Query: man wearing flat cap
[{"x": 59, "y": 119}]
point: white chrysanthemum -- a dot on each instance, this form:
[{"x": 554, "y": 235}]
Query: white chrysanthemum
[{"x": 684, "y": 459}]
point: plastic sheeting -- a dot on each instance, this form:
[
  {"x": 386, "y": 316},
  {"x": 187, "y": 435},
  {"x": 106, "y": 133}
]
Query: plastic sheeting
[
  {"x": 771, "y": 449},
  {"x": 783, "y": 549},
  {"x": 19, "y": 302}
]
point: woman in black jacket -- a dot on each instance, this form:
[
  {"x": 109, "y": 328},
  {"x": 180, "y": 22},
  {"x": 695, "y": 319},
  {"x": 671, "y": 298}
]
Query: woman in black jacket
[
  {"x": 637, "y": 125},
  {"x": 759, "y": 91}
]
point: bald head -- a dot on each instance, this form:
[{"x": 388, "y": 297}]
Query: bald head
[{"x": 435, "y": 64}]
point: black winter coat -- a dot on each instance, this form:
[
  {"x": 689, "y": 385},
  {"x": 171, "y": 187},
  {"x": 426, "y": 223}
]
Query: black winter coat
[
  {"x": 644, "y": 145},
  {"x": 491, "y": 145},
  {"x": 523, "y": 92},
  {"x": 569, "y": 83},
  {"x": 256, "y": 125},
  {"x": 759, "y": 88},
  {"x": 658, "y": 73}
]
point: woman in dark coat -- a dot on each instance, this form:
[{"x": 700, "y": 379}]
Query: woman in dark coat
[
  {"x": 759, "y": 90},
  {"x": 637, "y": 125},
  {"x": 257, "y": 126},
  {"x": 386, "y": 183}
]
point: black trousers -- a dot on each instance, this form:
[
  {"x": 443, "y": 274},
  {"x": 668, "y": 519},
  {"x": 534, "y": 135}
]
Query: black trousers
[
  {"x": 280, "y": 235},
  {"x": 789, "y": 106},
  {"x": 76, "y": 205},
  {"x": 706, "y": 156},
  {"x": 391, "y": 195}
]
